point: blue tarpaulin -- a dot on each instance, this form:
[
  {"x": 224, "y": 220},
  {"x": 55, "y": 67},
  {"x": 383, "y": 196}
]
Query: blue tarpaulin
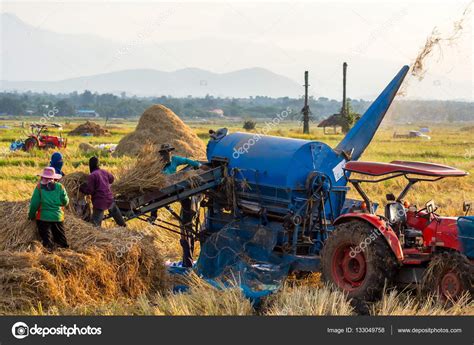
[
  {"x": 243, "y": 254},
  {"x": 16, "y": 145}
]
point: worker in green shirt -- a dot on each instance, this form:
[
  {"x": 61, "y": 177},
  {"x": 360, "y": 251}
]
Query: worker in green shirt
[
  {"x": 47, "y": 208},
  {"x": 189, "y": 207}
]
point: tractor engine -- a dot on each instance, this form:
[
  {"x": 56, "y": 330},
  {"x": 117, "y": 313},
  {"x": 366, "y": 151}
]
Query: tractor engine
[{"x": 412, "y": 238}]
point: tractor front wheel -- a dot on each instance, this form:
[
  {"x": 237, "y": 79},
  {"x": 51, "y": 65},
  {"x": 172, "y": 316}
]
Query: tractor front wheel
[
  {"x": 357, "y": 259},
  {"x": 30, "y": 144},
  {"x": 449, "y": 275}
]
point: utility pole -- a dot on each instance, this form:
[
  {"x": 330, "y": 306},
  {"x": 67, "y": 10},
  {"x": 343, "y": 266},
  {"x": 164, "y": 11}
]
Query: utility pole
[
  {"x": 344, "y": 102},
  {"x": 305, "y": 109}
]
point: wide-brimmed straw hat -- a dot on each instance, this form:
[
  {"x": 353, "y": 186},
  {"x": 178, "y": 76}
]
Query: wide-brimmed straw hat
[
  {"x": 50, "y": 173},
  {"x": 166, "y": 148}
]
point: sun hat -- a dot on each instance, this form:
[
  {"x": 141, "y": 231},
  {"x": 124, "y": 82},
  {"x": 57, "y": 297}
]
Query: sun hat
[
  {"x": 50, "y": 173},
  {"x": 166, "y": 148}
]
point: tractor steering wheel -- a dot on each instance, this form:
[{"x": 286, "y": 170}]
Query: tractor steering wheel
[{"x": 430, "y": 208}]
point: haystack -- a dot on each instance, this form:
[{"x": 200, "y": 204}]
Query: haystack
[
  {"x": 160, "y": 125},
  {"x": 87, "y": 148},
  {"x": 100, "y": 265},
  {"x": 145, "y": 175},
  {"x": 79, "y": 203},
  {"x": 89, "y": 127},
  {"x": 73, "y": 181}
]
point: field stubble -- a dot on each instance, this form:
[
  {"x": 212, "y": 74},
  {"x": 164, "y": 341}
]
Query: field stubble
[{"x": 449, "y": 145}]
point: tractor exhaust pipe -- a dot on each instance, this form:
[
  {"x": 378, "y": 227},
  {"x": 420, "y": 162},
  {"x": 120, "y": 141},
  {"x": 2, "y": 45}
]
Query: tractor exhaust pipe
[{"x": 360, "y": 136}]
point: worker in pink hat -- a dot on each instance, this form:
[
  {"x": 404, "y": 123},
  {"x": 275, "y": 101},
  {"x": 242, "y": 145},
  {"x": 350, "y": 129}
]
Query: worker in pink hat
[{"x": 47, "y": 208}]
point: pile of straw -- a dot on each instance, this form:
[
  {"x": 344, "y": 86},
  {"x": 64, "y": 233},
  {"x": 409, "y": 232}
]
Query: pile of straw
[
  {"x": 159, "y": 125},
  {"x": 87, "y": 148},
  {"x": 146, "y": 175},
  {"x": 100, "y": 265},
  {"x": 89, "y": 127},
  {"x": 143, "y": 176},
  {"x": 79, "y": 203},
  {"x": 73, "y": 181}
]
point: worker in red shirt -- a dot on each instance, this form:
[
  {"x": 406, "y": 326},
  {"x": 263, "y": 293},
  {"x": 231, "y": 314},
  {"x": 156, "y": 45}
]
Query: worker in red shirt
[{"x": 98, "y": 186}]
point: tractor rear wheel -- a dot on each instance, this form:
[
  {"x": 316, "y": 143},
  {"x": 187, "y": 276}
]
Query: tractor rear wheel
[
  {"x": 357, "y": 259},
  {"x": 30, "y": 144},
  {"x": 449, "y": 275}
]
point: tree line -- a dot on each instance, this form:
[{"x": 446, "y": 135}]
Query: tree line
[{"x": 122, "y": 106}]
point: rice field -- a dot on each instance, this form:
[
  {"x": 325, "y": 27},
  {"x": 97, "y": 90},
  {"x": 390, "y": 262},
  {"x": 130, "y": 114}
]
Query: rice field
[{"x": 450, "y": 144}]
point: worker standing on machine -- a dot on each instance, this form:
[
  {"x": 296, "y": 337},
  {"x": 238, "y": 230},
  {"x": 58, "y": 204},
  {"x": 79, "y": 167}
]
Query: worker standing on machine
[
  {"x": 189, "y": 207},
  {"x": 98, "y": 186}
]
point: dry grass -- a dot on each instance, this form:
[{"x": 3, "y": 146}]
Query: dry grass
[
  {"x": 307, "y": 300},
  {"x": 72, "y": 183},
  {"x": 143, "y": 176},
  {"x": 18, "y": 171},
  {"x": 440, "y": 41},
  {"x": 79, "y": 204},
  {"x": 89, "y": 127},
  {"x": 146, "y": 175},
  {"x": 404, "y": 304},
  {"x": 203, "y": 299},
  {"x": 86, "y": 147},
  {"x": 159, "y": 125},
  {"x": 101, "y": 264}
]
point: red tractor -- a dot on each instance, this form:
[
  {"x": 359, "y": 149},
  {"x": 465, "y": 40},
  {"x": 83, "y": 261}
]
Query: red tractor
[
  {"x": 406, "y": 245},
  {"x": 37, "y": 139}
]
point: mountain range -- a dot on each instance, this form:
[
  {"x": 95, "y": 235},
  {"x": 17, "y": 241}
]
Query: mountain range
[
  {"x": 36, "y": 59},
  {"x": 181, "y": 83}
]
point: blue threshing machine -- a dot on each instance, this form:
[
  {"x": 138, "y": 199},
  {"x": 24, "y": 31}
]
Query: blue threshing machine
[{"x": 270, "y": 202}]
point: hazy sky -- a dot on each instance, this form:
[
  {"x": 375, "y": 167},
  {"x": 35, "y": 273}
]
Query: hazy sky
[{"x": 387, "y": 30}]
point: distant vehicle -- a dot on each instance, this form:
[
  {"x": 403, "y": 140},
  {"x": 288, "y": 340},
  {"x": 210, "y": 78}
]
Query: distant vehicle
[
  {"x": 57, "y": 126},
  {"x": 37, "y": 139},
  {"x": 411, "y": 135}
]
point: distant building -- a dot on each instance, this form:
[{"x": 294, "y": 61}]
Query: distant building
[
  {"x": 87, "y": 112},
  {"x": 217, "y": 111},
  {"x": 333, "y": 121}
]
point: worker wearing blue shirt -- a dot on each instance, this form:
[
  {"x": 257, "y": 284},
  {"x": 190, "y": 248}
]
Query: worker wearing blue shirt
[
  {"x": 176, "y": 161},
  {"x": 189, "y": 207}
]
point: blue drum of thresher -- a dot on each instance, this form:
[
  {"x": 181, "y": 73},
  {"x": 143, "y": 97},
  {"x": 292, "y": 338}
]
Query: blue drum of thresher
[
  {"x": 277, "y": 171},
  {"x": 285, "y": 195}
]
